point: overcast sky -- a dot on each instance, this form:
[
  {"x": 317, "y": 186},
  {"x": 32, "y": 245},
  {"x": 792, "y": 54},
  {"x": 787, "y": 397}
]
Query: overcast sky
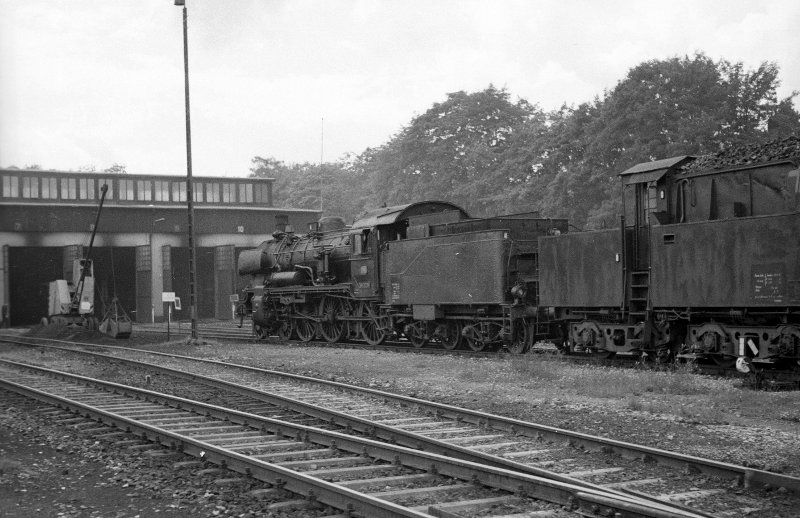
[{"x": 90, "y": 83}]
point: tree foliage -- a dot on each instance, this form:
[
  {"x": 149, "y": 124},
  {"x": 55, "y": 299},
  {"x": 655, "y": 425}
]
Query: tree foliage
[
  {"x": 673, "y": 107},
  {"x": 116, "y": 169},
  {"x": 465, "y": 149},
  {"x": 493, "y": 155},
  {"x": 333, "y": 188}
]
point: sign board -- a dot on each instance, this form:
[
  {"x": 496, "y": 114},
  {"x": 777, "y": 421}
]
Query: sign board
[
  {"x": 167, "y": 296},
  {"x": 234, "y": 297},
  {"x": 177, "y": 302}
]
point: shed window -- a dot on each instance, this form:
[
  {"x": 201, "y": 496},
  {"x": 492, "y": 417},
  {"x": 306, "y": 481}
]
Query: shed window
[
  {"x": 161, "y": 192},
  {"x": 10, "y": 187},
  {"x": 212, "y": 192},
  {"x": 245, "y": 193},
  {"x": 69, "y": 189},
  {"x": 145, "y": 190},
  {"x": 86, "y": 188},
  {"x": 179, "y": 191},
  {"x": 228, "y": 192},
  {"x": 262, "y": 193},
  {"x": 126, "y": 189},
  {"x": 30, "y": 187},
  {"x": 109, "y": 191},
  {"x": 49, "y": 188}
]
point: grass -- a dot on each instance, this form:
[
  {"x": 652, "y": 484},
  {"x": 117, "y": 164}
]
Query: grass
[{"x": 532, "y": 380}]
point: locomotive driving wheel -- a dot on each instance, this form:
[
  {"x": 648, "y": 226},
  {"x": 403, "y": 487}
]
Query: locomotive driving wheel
[
  {"x": 351, "y": 328},
  {"x": 286, "y": 330},
  {"x": 369, "y": 328},
  {"x": 304, "y": 325},
  {"x": 331, "y": 325}
]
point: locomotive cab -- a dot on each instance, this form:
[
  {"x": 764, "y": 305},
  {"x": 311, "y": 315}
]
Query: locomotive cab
[
  {"x": 364, "y": 263},
  {"x": 373, "y": 233}
]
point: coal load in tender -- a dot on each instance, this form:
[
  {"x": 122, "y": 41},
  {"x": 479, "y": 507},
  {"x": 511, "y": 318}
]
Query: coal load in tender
[{"x": 783, "y": 149}]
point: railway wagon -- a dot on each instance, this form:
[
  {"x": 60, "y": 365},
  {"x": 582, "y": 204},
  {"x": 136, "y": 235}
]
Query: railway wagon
[{"x": 705, "y": 265}]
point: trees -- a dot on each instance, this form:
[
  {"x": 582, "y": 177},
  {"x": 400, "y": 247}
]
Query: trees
[
  {"x": 334, "y": 188},
  {"x": 464, "y": 149},
  {"x": 493, "y": 155},
  {"x": 662, "y": 108},
  {"x": 116, "y": 169}
]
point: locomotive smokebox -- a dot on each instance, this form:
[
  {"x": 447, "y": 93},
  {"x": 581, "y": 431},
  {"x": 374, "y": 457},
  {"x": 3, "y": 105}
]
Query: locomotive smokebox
[{"x": 255, "y": 261}]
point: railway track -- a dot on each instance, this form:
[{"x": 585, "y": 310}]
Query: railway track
[
  {"x": 702, "y": 485},
  {"x": 355, "y": 475}
]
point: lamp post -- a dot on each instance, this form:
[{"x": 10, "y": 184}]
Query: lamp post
[{"x": 189, "y": 190}]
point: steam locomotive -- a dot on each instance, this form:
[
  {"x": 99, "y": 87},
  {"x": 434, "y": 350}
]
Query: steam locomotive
[{"x": 705, "y": 264}]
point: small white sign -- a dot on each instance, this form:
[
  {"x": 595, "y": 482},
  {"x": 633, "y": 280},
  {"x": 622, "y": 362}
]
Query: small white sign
[
  {"x": 177, "y": 302},
  {"x": 167, "y": 296},
  {"x": 234, "y": 297}
]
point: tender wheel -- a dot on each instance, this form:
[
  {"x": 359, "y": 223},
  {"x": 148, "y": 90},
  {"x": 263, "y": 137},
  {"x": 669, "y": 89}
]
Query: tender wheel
[
  {"x": 482, "y": 336},
  {"x": 450, "y": 334},
  {"x": 520, "y": 338},
  {"x": 370, "y": 329},
  {"x": 332, "y": 327},
  {"x": 416, "y": 333}
]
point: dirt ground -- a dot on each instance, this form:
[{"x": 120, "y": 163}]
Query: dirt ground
[
  {"x": 40, "y": 477},
  {"x": 44, "y": 473}
]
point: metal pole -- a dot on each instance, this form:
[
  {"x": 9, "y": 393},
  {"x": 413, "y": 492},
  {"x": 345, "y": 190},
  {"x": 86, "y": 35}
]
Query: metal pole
[
  {"x": 321, "y": 174},
  {"x": 189, "y": 193}
]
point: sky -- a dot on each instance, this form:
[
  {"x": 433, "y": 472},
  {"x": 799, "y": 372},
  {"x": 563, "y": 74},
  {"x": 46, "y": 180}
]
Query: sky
[{"x": 87, "y": 84}]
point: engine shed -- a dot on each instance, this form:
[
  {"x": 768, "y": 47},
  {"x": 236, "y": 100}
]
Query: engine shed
[{"x": 141, "y": 247}]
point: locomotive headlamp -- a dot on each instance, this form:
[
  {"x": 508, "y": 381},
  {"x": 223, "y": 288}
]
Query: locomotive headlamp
[{"x": 518, "y": 292}]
